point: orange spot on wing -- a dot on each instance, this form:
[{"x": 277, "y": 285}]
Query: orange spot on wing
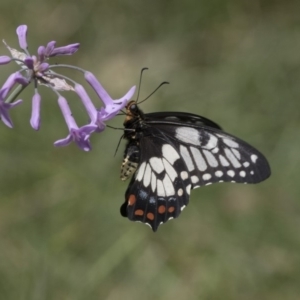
[
  {"x": 150, "y": 216},
  {"x": 171, "y": 209},
  {"x": 131, "y": 199},
  {"x": 139, "y": 212},
  {"x": 161, "y": 209}
]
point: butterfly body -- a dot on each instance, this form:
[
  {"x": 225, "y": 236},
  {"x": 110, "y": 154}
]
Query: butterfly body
[{"x": 171, "y": 153}]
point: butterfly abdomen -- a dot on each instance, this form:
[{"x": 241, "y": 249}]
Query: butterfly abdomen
[{"x": 130, "y": 161}]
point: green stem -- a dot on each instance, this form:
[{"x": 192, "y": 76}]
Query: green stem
[
  {"x": 17, "y": 91},
  {"x": 67, "y": 66}
]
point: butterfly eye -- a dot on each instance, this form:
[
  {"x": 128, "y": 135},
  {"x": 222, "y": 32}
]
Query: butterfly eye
[{"x": 133, "y": 108}]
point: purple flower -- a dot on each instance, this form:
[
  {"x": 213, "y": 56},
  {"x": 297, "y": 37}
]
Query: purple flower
[
  {"x": 38, "y": 70},
  {"x": 112, "y": 107},
  {"x": 37, "y": 66},
  {"x": 78, "y": 135}
]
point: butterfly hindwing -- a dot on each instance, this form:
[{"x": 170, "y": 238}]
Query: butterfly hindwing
[{"x": 156, "y": 192}]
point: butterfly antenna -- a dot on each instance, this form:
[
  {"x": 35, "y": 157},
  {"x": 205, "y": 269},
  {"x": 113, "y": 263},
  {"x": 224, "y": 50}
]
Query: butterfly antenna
[
  {"x": 163, "y": 83},
  {"x": 141, "y": 75}
]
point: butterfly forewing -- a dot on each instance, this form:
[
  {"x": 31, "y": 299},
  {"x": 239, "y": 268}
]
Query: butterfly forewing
[{"x": 212, "y": 155}]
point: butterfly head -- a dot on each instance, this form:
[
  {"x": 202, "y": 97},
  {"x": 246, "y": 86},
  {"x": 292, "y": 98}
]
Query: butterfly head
[{"x": 132, "y": 111}]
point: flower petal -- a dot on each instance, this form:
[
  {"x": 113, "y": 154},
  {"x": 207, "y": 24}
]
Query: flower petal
[
  {"x": 87, "y": 102},
  {"x": 5, "y": 118},
  {"x": 4, "y": 59},
  {"x": 9, "y": 83},
  {"x": 66, "y": 111},
  {"x": 43, "y": 67},
  {"x": 65, "y": 50},
  {"x": 49, "y": 48},
  {"x": 29, "y": 62},
  {"x": 80, "y": 136},
  {"x": 22, "y": 32},
  {"x": 98, "y": 88},
  {"x": 112, "y": 107},
  {"x": 35, "y": 111},
  {"x": 64, "y": 142},
  {"x": 21, "y": 79},
  {"x": 4, "y": 108},
  {"x": 111, "y": 110},
  {"x": 41, "y": 53}
]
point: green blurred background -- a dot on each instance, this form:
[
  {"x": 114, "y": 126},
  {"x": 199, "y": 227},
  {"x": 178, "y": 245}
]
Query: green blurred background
[{"x": 236, "y": 62}]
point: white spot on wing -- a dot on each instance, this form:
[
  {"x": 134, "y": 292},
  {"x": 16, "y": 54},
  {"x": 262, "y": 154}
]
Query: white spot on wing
[
  {"x": 180, "y": 192},
  {"x": 194, "y": 179},
  {"x": 160, "y": 189},
  {"x": 232, "y": 158},
  {"x": 153, "y": 182},
  {"x": 187, "y": 158},
  {"x": 184, "y": 175},
  {"x": 188, "y": 189},
  {"x": 156, "y": 164},
  {"x": 212, "y": 143},
  {"x": 200, "y": 162},
  {"x": 168, "y": 186},
  {"x": 230, "y": 173},
  {"x": 242, "y": 173},
  {"x": 210, "y": 158},
  {"x": 224, "y": 161},
  {"x": 254, "y": 158},
  {"x": 182, "y": 207},
  {"x": 206, "y": 176},
  {"x": 147, "y": 175},
  {"x": 188, "y": 135},
  {"x": 252, "y": 172},
  {"x": 230, "y": 143},
  {"x": 219, "y": 173},
  {"x": 215, "y": 150},
  {"x": 170, "y": 153},
  {"x": 246, "y": 164},
  {"x": 236, "y": 153},
  {"x": 140, "y": 174},
  {"x": 169, "y": 169}
]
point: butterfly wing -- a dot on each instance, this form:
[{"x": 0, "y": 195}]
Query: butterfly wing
[
  {"x": 177, "y": 156},
  {"x": 156, "y": 193}
]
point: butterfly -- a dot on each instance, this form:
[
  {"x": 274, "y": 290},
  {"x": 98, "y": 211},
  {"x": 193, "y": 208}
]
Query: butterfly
[{"x": 170, "y": 153}]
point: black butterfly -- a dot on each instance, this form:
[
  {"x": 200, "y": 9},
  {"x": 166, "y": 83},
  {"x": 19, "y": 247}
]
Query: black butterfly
[{"x": 170, "y": 153}]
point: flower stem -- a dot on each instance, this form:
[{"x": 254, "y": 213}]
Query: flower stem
[
  {"x": 67, "y": 66},
  {"x": 17, "y": 91}
]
